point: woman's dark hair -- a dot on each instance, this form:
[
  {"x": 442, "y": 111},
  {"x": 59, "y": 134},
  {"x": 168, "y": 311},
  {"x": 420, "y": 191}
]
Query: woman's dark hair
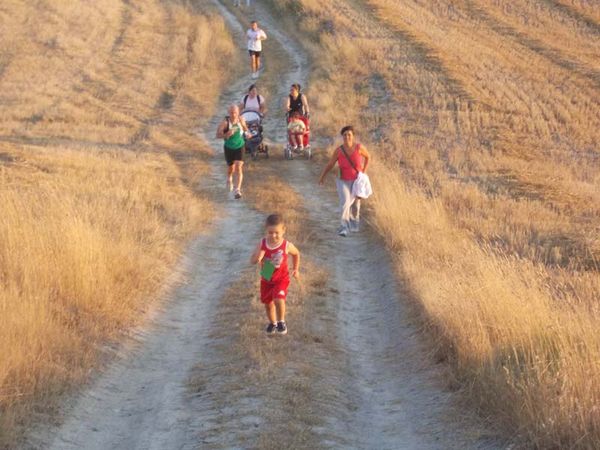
[
  {"x": 297, "y": 86},
  {"x": 347, "y": 128},
  {"x": 252, "y": 86},
  {"x": 274, "y": 220}
]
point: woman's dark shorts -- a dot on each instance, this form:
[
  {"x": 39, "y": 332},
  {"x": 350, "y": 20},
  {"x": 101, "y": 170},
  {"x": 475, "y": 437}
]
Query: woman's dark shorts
[
  {"x": 254, "y": 53},
  {"x": 233, "y": 155}
]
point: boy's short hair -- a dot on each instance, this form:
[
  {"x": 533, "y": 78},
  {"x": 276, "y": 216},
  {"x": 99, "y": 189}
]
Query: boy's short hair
[
  {"x": 274, "y": 220},
  {"x": 347, "y": 128}
]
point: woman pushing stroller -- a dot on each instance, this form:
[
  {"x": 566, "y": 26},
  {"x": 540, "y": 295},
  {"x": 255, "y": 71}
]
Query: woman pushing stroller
[
  {"x": 298, "y": 123},
  {"x": 297, "y": 101}
]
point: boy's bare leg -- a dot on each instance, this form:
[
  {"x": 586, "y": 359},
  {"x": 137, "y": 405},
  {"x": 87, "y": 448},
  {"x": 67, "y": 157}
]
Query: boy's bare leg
[
  {"x": 270, "y": 309},
  {"x": 280, "y": 307},
  {"x": 257, "y": 62}
]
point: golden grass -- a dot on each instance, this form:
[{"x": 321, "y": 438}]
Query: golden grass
[
  {"x": 486, "y": 117},
  {"x": 99, "y": 179}
]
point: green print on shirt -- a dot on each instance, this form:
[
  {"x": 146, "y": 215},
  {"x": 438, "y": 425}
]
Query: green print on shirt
[{"x": 267, "y": 270}]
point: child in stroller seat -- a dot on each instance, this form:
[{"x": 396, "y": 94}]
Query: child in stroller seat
[{"x": 296, "y": 129}]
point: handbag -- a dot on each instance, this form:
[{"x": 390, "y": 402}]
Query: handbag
[{"x": 361, "y": 188}]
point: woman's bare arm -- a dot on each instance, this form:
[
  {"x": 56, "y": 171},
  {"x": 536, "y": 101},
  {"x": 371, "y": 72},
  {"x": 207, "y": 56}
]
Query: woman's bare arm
[{"x": 329, "y": 166}]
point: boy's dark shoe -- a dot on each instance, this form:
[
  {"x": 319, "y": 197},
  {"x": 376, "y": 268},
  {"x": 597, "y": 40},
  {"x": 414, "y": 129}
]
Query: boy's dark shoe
[
  {"x": 281, "y": 328},
  {"x": 271, "y": 328}
]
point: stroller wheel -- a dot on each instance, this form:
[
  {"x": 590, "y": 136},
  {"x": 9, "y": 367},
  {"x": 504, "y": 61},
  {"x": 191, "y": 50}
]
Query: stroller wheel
[
  {"x": 287, "y": 152},
  {"x": 308, "y": 153}
]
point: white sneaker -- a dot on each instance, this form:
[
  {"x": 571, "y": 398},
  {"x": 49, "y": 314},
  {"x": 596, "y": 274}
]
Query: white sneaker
[
  {"x": 343, "y": 231},
  {"x": 238, "y": 194},
  {"x": 354, "y": 226}
]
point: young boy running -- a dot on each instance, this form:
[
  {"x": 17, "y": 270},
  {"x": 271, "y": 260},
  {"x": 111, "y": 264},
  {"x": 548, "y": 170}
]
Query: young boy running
[{"x": 272, "y": 254}]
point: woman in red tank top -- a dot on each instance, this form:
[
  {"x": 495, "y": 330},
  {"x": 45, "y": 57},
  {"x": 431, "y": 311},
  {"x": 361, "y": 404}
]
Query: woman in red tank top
[{"x": 351, "y": 158}]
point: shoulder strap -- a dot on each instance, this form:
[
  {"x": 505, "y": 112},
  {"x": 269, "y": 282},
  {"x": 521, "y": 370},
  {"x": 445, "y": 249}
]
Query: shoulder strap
[
  {"x": 348, "y": 158},
  {"x": 258, "y": 99},
  {"x": 245, "y": 100}
]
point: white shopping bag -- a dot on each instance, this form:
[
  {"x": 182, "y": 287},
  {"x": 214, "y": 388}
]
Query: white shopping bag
[{"x": 361, "y": 187}]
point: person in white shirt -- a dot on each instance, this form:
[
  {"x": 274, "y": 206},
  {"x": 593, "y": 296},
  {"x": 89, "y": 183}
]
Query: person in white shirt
[
  {"x": 253, "y": 101},
  {"x": 255, "y": 37}
]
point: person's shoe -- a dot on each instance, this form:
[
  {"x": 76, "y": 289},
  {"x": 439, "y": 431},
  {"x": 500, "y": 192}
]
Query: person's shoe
[
  {"x": 271, "y": 328},
  {"x": 354, "y": 226},
  {"x": 238, "y": 194},
  {"x": 343, "y": 231},
  {"x": 255, "y": 75},
  {"x": 281, "y": 328}
]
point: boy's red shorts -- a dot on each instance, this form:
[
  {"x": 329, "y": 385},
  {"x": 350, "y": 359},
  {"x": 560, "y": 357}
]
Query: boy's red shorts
[{"x": 270, "y": 291}]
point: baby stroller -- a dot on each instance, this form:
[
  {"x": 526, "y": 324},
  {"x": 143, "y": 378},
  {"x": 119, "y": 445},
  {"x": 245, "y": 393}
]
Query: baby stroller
[
  {"x": 289, "y": 151},
  {"x": 254, "y": 142}
]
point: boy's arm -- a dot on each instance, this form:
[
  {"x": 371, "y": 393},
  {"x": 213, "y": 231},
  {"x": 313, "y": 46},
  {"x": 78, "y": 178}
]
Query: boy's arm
[
  {"x": 293, "y": 250},
  {"x": 257, "y": 255}
]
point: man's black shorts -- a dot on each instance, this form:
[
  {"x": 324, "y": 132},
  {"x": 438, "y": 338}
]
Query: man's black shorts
[
  {"x": 233, "y": 155},
  {"x": 254, "y": 53}
]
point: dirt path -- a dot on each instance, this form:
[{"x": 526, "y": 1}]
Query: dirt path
[{"x": 351, "y": 374}]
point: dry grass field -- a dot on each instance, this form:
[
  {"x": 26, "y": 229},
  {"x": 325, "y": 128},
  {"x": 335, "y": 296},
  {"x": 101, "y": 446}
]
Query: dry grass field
[
  {"x": 99, "y": 165},
  {"x": 483, "y": 118}
]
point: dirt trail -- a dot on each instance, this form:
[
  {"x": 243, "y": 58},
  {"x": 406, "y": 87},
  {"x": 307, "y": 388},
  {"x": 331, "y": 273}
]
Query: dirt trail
[{"x": 361, "y": 376}]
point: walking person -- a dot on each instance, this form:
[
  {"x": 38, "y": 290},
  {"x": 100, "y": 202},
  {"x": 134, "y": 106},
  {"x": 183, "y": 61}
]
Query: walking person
[
  {"x": 351, "y": 157},
  {"x": 255, "y": 36},
  {"x": 232, "y": 130},
  {"x": 272, "y": 254},
  {"x": 297, "y": 101},
  {"x": 253, "y": 101}
]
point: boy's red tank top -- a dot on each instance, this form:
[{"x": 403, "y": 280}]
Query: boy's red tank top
[
  {"x": 278, "y": 257},
  {"x": 347, "y": 172}
]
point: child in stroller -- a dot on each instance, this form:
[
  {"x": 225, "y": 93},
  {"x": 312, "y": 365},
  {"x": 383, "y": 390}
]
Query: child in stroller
[
  {"x": 254, "y": 142},
  {"x": 298, "y": 136}
]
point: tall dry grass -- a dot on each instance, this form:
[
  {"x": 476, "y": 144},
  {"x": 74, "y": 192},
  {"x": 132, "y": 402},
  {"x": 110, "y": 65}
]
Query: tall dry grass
[
  {"x": 99, "y": 179},
  {"x": 486, "y": 119}
]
